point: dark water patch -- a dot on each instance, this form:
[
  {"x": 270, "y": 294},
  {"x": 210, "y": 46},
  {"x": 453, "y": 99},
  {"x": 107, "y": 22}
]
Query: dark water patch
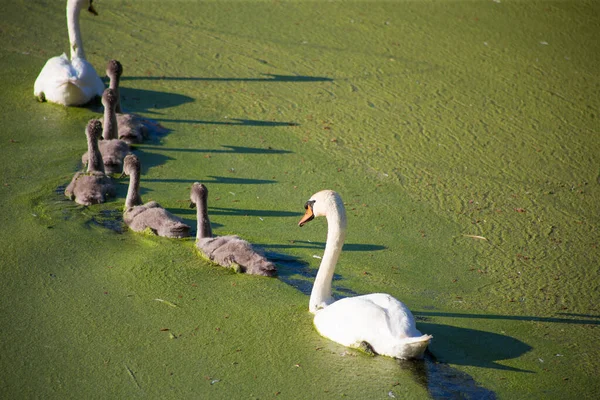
[
  {"x": 227, "y": 150},
  {"x": 54, "y": 206},
  {"x": 442, "y": 381},
  {"x": 109, "y": 219},
  {"x": 267, "y": 78},
  {"x": 232, "y": 121}
]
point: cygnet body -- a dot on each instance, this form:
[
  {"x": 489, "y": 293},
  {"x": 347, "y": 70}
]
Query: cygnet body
[
  {"x": 150, "y": 216},
  {"x": 227, "y": 251},
  {"x": 93, "y": 186},
  {"x": 113, "y": 150}
]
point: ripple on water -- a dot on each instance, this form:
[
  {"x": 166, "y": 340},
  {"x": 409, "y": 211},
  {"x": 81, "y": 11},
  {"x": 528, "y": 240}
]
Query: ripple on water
[{"x": 55, "y": 206}]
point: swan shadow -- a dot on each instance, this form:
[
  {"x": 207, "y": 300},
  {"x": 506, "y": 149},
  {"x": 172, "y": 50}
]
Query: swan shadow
[
  {"x": 578, "y": 321},
  {"x": 473, "y": 347},
  {"x": 226, "y": 150},
  {"x": 232, "y": 121},
  {"x": 303, "y": 244},
  {"x": 245, "y": 212},
  {"x": 266, "y": 78},
  {"x": 215, "y": 180},
  {"x": 149, "y": 160},
  {"x": 191, "y": 221},
  {"x": 298, "y": 274},
  {"x": 142, "y": 100}
]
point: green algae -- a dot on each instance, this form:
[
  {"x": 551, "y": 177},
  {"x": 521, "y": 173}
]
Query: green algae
[{"x": 434, "y": 121}]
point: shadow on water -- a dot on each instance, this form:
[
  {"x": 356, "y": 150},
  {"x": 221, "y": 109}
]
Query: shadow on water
[
  {"x": 298, "y": 274},
  {"x": 232, "y": 121},
  {"x": 266, "y": 78},
  {"x": 214, "y": 180},
  {"x": 142, "y": 100},
  {"x": 149, "y": 159},
  {"x": 578, "y": 321},
  {"x": 303, "y": 244},
  {"x": 226, "y": 150},
  {"x": 442, "y": 381}
]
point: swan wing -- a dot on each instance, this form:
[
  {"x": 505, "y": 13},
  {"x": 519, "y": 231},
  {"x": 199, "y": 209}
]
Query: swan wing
[
  {"x": 68, "y": 82},
  {"x": 380, "y": 320}
]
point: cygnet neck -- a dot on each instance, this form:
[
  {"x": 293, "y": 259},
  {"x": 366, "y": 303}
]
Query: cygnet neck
[
  {"x": 110, "y": 129},
  {"x": 204, "y": 228},
  {"x": 133, "y": 191},
  {"x": 95, "y": 162}
]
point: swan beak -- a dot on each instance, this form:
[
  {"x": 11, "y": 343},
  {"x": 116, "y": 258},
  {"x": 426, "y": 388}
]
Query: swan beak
[
  {"x": 308, "y": 216},
  {"x": 92, "y": 9}
]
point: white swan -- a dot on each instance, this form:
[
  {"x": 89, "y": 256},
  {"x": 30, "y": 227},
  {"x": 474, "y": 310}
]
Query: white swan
[
  {"x": 377, "y": 321},
  {"x": 70, "y": 82}
]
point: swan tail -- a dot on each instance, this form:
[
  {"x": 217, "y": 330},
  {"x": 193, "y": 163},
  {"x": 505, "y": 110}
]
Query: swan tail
[{"x": 413, "y": 347}]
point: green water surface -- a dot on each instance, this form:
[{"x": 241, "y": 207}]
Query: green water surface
[{"x": 463, "y": 137}]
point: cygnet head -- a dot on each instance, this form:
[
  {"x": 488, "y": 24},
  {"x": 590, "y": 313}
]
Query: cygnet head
[
  {"x": 199, "y": 194},
  {"x": 114, "y": 69},
  {"x": 131, "y": 164},
  {"x": 320, "y": 204},
  {"x": 94, "y": 129},
  {"x": 109, "y": 98}
]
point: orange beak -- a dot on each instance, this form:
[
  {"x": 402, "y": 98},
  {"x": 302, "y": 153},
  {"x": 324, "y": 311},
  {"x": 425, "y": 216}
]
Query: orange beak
[{"x": 308, "y": 216}]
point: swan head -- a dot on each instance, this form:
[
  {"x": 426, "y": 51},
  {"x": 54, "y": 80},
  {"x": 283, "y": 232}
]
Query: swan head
[
  {"x": 109, "y": 98},
  {"x": 198, "y": 195},
  {"x": 325, "y": 203},
  {"x": 131, "y": 165},
  {"x": 114, "y": 69},
  {"x": 78, "y": 4},
  {"x": 91, "y": 8},
  {"x": 94, "y": 129}
]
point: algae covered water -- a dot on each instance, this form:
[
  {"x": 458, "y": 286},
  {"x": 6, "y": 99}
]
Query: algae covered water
[{"x": 462, "y": 136}]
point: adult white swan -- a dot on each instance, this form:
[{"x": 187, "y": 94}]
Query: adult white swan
[
  {"x": 376, "y": 321},
  {"x": 71, "y": 82}
]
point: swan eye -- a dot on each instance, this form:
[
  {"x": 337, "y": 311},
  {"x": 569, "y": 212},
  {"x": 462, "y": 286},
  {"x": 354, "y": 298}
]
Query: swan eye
[{"x": 310, "y": 204}]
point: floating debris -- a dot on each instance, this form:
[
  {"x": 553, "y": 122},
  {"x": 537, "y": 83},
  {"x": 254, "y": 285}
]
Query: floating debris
[
  {"x": 167, "y": 303},
  {"x": 475, "y": 237}
]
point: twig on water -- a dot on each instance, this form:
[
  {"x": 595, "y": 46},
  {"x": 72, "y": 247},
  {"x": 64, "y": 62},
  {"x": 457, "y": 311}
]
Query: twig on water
[{"x": 132, "y": 375}]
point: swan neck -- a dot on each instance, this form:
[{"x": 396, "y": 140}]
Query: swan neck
[
  {"x": 110, "y": 129},
  {"x": 114, "y": 85},
  {"x": 321, "y": 295},
  {"x": 95, "y": 162},
  {"x": 133, "y": 191},
  {"x": 76, "y": 44},
  {"x": 204, "y": 229}
]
